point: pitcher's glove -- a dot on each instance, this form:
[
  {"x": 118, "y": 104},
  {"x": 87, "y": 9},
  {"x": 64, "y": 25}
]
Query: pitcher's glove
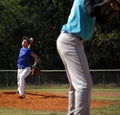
[{"x": 35, "y": 71}]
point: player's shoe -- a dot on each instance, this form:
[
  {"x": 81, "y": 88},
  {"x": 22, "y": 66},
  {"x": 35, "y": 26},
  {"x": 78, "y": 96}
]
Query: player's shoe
[
  {"x": 21, "y": 97},
  {"x": 17, "y": 92}
]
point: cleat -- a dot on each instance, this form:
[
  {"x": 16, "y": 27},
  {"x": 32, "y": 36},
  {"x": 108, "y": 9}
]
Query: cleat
[
  {"x": 21, "y": 97},
  {"x": 17, "y": 92}
]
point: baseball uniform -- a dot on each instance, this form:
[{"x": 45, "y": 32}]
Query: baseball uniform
[
  {"x": 23, "y": 68},
  {"x": 79, "y": 27}
]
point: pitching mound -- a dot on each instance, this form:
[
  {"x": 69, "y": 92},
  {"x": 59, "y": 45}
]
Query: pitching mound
[{"x": 41, "y": 101}]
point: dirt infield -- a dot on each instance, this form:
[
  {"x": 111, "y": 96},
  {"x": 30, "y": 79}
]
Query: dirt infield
[{"x": 43, "y": 101}]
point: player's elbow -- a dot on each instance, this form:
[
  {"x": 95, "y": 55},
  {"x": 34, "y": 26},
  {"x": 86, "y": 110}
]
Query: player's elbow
[
  {"x": 92, "y": 11},
  {"x": 36, "y": 57}
]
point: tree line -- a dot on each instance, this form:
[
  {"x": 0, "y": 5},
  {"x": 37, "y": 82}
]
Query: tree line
[{"x": 42, "y": 20}]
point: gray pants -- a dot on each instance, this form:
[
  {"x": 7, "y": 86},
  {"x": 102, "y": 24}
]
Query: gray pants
[{"x": 71, "y": 51}]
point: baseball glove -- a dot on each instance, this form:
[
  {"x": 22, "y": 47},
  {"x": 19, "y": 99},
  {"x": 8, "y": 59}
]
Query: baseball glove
[{"x": 36, "y": 71}]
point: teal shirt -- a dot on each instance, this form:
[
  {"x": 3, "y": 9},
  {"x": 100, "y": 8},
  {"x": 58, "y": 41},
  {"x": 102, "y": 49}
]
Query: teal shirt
[{"x": 78, "y": 21}]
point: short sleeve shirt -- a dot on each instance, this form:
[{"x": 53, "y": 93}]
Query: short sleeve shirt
[
  {"x": 24, "y": 57},
  {"x": 79, "y": 22}
]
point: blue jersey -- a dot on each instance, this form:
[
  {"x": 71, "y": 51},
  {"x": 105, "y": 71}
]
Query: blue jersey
[
  {"x": 79, "y": 22},
  {"x": 24, "y": 57}
]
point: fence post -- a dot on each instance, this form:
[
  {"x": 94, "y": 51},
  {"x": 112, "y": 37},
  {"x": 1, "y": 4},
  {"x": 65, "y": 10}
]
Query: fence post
[
  {"x": 104, "y": 79},
  {"x": 39, "y": 79},
  {"x": 6, "y": 79}
]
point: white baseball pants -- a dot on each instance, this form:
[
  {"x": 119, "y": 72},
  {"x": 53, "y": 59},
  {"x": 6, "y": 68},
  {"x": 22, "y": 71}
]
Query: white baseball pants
[
  {"x": 71, "y": 51},
  {"x": 22, "y": 74}
]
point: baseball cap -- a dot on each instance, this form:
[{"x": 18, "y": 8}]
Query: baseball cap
[{"x": 26, "y": 38}]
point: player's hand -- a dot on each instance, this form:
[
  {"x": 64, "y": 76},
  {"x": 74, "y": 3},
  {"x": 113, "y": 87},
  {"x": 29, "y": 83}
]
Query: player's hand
[
  {"x": 114, "y": 6},
  {"x": 31, "y": 40},
  {"x": 33, "y": 66}
]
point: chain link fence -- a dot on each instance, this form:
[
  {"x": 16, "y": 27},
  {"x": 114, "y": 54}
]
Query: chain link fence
[{"x": 102, "y": 77}]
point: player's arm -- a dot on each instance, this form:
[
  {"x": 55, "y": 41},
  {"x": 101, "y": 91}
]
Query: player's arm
[
  {"x": 36, "y": 60},
  {"x": 114, "y": 9},
  {"x": 94, "y": 9},
  {"x": 31, "y": 41},
  {"x": 108, "y": 14}
]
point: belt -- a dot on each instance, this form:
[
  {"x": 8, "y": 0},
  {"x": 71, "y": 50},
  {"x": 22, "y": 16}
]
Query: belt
[
  {"x": 21, "y": 68},
  {"x": 72, "y": 34},
  {"x": 65, "y": 32}
]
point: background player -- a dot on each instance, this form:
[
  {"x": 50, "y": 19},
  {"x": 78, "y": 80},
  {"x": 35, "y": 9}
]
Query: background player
[{"x": 23, "y": 64}]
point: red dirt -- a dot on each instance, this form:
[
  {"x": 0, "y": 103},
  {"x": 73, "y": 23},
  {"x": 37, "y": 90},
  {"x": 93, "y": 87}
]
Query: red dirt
[{"x": 41, "y": 101}]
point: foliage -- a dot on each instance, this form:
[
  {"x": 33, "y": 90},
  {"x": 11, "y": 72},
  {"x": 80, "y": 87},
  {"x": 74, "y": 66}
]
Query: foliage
[
  {"x": 103, "y": 49},
  {"x": 42, "y": 19}
]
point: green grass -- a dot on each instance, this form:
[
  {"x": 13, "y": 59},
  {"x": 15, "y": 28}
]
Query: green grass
[
  {"x": 8, "y": 111},
  {"x": 106, "y": 89},
  {"x": 111, "y": 110}
]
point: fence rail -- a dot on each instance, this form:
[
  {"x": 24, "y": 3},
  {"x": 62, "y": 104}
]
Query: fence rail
[
  {"x": 99, "y": 76},
  {"x": 112, "y": 70}
]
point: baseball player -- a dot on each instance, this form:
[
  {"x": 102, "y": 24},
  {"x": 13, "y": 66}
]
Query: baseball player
[
  {"x": 23, "y": 65},
  {"x": 79, "y": 27}
]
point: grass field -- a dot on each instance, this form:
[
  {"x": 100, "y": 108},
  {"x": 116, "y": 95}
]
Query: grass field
[{"x": 111, "y": 110}]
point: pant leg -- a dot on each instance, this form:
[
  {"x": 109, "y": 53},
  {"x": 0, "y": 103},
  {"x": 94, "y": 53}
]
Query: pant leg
[
  {"x": 21, "y": 79},
  {"x": 71, "y": 51},
  {"x": 71, "y": 97},
  {"x": 71, "y": 100},
  {"x": 18, "y": 79}
]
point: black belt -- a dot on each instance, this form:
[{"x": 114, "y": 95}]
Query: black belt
[
  {"x": 72, "y": 34},
  {"x": 21, "y": 68}
]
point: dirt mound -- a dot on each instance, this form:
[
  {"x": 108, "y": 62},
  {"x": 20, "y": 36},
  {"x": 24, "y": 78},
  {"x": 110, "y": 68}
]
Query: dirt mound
[{"x": 41, "y": 101}]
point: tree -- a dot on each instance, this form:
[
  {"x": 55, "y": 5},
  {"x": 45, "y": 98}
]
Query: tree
[
  {"x": 43, "y": 19},
  {"x": 103, "y": 48}
]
